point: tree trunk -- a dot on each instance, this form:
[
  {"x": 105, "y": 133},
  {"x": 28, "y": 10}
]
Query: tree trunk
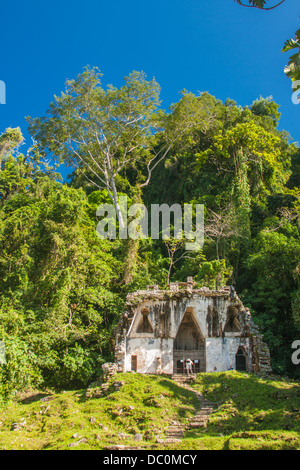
[
  {"x": 116, "y": 204},
  {"x": 170, "y": 269},
  {"x": 112, "y": 184},
  {"x": 131, "y": 261}
]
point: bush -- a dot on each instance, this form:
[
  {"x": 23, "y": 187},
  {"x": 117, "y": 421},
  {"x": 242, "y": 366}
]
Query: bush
[{"x": 19, "y": 370}]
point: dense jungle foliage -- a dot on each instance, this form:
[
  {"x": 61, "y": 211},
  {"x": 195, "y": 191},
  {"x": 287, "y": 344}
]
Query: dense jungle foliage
[{"x": 62, "y": 288}]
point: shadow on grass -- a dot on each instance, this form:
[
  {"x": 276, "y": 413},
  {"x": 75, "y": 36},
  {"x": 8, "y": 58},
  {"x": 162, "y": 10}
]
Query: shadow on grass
[
  {"x": 187, "y": 397},
  {"x": 81, "y": 395},
  {"x": 35, "y": 397},
  {"x": 255, "y": 442},
  {"x": 248, "y": 402},
  {"x": 152, "y": 392}
]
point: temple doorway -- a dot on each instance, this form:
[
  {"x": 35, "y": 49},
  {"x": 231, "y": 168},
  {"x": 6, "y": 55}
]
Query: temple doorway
[
  {"x": 240, "y": 360},
  {"x": 189, "y": 344}
]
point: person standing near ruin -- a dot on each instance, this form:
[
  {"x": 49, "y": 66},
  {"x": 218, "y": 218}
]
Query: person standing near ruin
[{"x": 188, "y": 366}]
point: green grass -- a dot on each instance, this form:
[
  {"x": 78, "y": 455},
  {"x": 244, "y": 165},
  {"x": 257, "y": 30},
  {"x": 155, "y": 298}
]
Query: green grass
[
  {"x": 249, "y": 403},
  {"x": 144, "y": 405},
  {"x": 251, "y": 413}
]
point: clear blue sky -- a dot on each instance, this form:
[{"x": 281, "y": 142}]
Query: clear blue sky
[{"x": 198, "y": 45}]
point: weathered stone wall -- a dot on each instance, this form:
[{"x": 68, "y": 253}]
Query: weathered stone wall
[
  {"x": 150, "y": 324},
  {"x": 147, "y": 351},
  {"x": 220, "y": 353}
]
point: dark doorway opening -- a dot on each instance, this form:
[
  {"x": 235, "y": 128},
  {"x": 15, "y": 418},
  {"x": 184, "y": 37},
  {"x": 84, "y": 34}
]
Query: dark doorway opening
[
  {"x": 179, "y": 367},
  {"x": 240, "y": 360},
  {"x": 134, "y": 363}
]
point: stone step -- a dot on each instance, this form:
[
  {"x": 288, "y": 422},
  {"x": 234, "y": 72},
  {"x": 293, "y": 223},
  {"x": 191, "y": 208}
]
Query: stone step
[
  {"x": 183, "y": 378},
  {"x": 175, "y": 431},
  {"x": 171, "y": 440},
  {"x": 183, "y": 381},
  {"x": 199, "y": 418}
]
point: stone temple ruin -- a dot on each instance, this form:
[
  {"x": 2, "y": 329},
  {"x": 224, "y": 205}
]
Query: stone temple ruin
[{"x": 161, "y": 329}]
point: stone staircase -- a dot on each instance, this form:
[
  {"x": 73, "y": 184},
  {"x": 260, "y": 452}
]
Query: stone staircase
[
  {"x": 176, "y": 430},
  {"x": 201, "y": 417},
  {"x": 183, "y": 378}
]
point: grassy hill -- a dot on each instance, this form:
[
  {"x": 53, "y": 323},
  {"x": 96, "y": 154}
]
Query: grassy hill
[{"x": 135, "y": 410}]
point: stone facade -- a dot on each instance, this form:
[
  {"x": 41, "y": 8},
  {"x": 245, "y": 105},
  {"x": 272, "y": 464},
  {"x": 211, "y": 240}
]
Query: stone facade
[{"x": 161, "y": 329}]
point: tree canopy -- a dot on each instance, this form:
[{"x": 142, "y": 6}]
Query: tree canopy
[{"x": 62, "y": 289}]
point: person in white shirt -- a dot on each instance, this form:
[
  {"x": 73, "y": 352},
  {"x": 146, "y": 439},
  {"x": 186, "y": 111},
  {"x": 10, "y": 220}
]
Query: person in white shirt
[{"x": 188, "y": 366}]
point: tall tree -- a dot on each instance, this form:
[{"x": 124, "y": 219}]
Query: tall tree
[
  {"x": 9, "y": 140},
  {"x": 99, "y": 130},
  {"x": 191, "y": 112}
]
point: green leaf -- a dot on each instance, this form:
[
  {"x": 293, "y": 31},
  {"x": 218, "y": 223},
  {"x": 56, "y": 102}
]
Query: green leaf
[{"x": 290, "y": 44}]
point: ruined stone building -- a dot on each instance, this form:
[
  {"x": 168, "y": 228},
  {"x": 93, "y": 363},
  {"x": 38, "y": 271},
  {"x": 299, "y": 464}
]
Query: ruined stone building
[{"x": 161, "y": 329}]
